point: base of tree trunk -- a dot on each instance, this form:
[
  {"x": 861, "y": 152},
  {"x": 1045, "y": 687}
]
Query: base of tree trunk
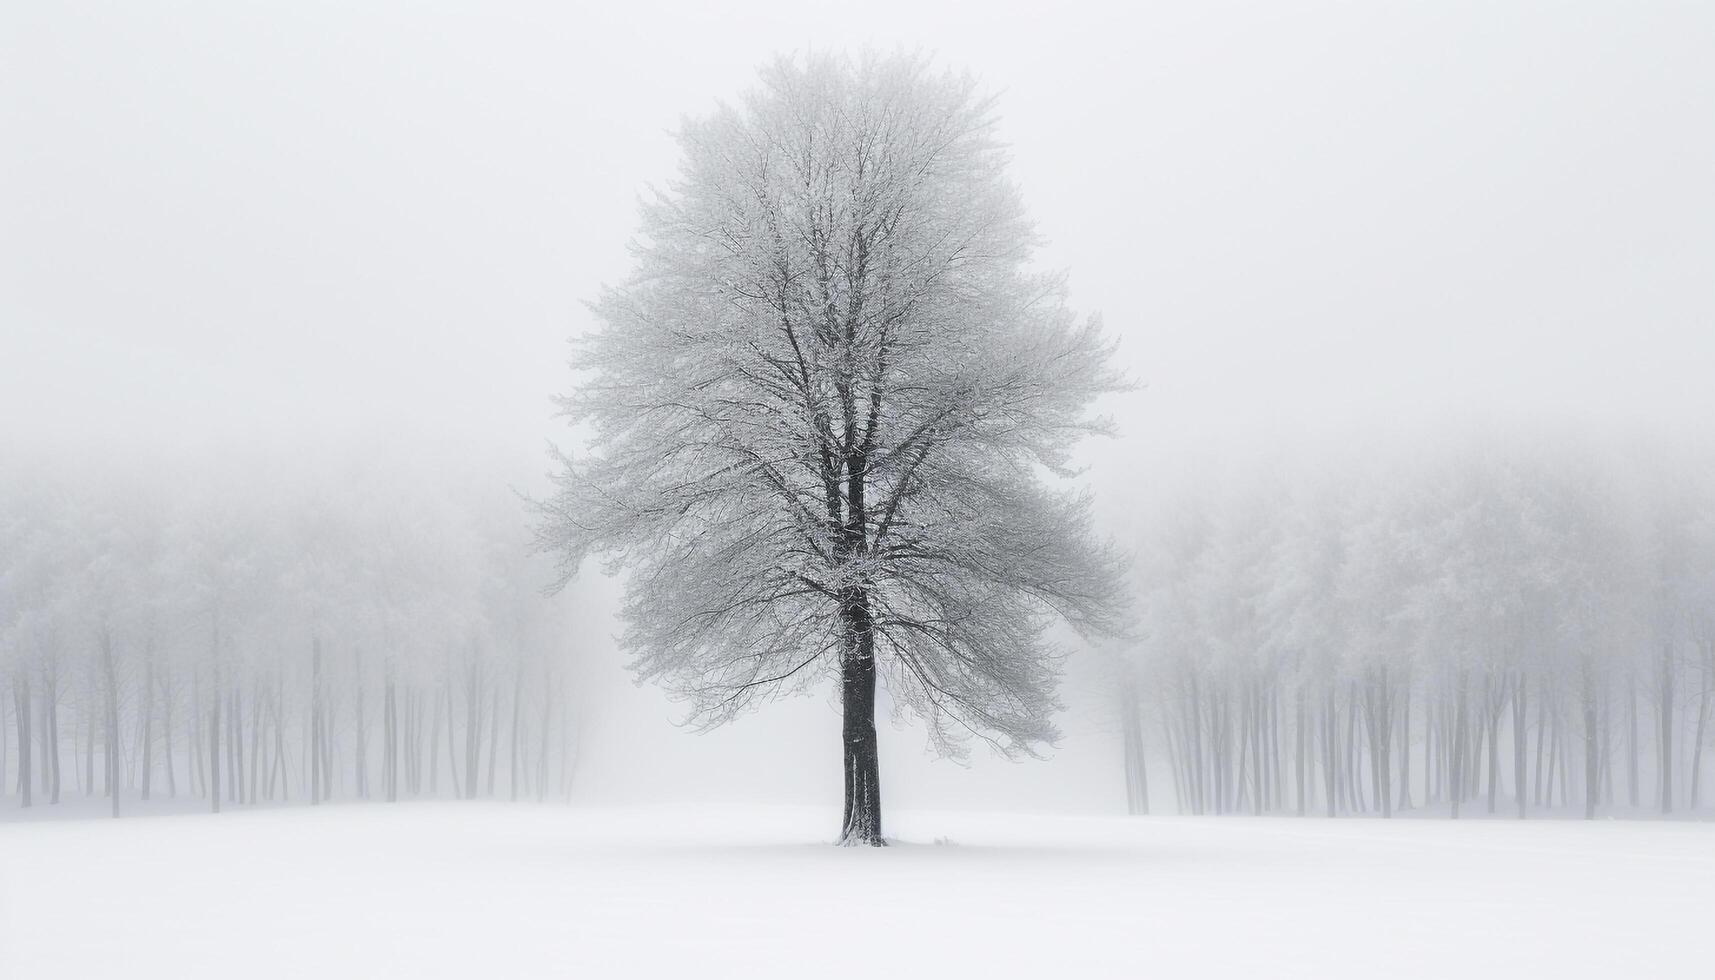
[
  {"x": 860, "y": 840},
  {"x": 860, "y": 825}
]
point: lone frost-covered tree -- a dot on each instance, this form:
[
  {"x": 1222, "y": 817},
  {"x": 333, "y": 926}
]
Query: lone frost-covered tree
[{"x": 831, "y": 413}]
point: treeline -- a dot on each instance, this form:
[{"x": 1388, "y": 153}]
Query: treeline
[
  {"x": 248, "y": 632},
  {"x": 1495, "y": 626}
]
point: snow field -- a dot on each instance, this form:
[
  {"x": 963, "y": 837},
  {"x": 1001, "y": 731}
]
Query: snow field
[{"x": 490, "y": 890}]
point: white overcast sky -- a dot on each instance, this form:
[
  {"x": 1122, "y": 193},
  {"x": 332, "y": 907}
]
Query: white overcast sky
[{"x": 342, "y": 219}]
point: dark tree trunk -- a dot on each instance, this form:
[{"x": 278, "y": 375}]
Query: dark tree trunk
[{"x": 862, "y": 821}]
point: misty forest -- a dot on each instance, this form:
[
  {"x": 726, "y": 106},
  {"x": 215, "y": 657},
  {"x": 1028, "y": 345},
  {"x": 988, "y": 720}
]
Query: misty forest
[
  {"x": 518, "y": 491},
  {"x": 361, "y": 635}
]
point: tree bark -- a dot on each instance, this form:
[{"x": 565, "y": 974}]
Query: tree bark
[{"x": 861, "y": 823}]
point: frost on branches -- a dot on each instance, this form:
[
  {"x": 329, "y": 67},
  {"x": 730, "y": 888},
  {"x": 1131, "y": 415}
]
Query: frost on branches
[{"x": 825, "y": 410}]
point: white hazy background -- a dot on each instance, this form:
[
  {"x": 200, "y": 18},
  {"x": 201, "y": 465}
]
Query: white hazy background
[{"x": 330, "y": 224}]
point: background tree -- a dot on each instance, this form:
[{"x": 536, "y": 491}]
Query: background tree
[
  {"x": 1449, "y": 624},
  {"x": 823, "y": 410},
  {"x": 237, "y": 636}
]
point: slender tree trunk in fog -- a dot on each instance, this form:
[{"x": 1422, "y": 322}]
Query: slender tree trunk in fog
[
  {"x": 472, "y": 730},
  {"x": 1384, "y": 752},
  {"x": 493, "y": 734},
  {"x": 1606, "y": 730},
  {"x": 1242, "y": 784},
  {"x": 1354, "y": 775},
  {"x": 1131, "y": 739},
  {"x": 414, "y": 727},
  {"x": 327, "y": 746},
  {"x": 1495, "y": 702},
  {"x": 1541, "y": 736},
  {"x": 1267, "y": 757},
  {"x": 85, "y": 775},
  {"x": 547, "y": 727},
  {"x": 147, "y": 706},
  {"x": 435, "y": 747},
  {"x": 199, "y": 778},
  {"x": 21, "y": 699},
  {"x": 360, "y": 751},
  {"x": 315, "y": 726},
  {"x": 1330, "y": 744},
  {"x": 1553, "y": 757},
  {"x": 1275, "y": 751},
  {"x": 1405, "y": 745},
  {"x": 235, "y": 746},
  {"x": 517, "y": 708},
  {"x": 51, "y": 734},
  {"x": 1431, "y": 747},
  {"x": 1194, "y": 751},
  {"x": 214, "y": 735},
  {"x": 1666, "y": 762},
  {"x": 110, "y": 678},
  {"x": 390, "y": 740},
  {"x": 1519, "y": 740},
  {"x": 1592, "y": 741},
  {"x": 410, "y": 747},
  {"x": 167, "y": 694},
  {"x": 1176, "y": 764},
  {"x": 1298, "y": 746},
  {"x": 1702, "y": 723},
  {"x": 1563, "y": 753},
  {"x": 452, "y": 748},
  {"x": 1456, "y": 778},
  {"x": 255, "y": 740},
  {"x": 1632, "y": 738}
]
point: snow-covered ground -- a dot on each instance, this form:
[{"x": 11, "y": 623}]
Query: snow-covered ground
[{"x": 484, "y": 890}]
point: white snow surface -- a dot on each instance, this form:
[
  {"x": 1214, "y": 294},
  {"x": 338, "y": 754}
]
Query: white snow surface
[{"x": 491, "y": 890}]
